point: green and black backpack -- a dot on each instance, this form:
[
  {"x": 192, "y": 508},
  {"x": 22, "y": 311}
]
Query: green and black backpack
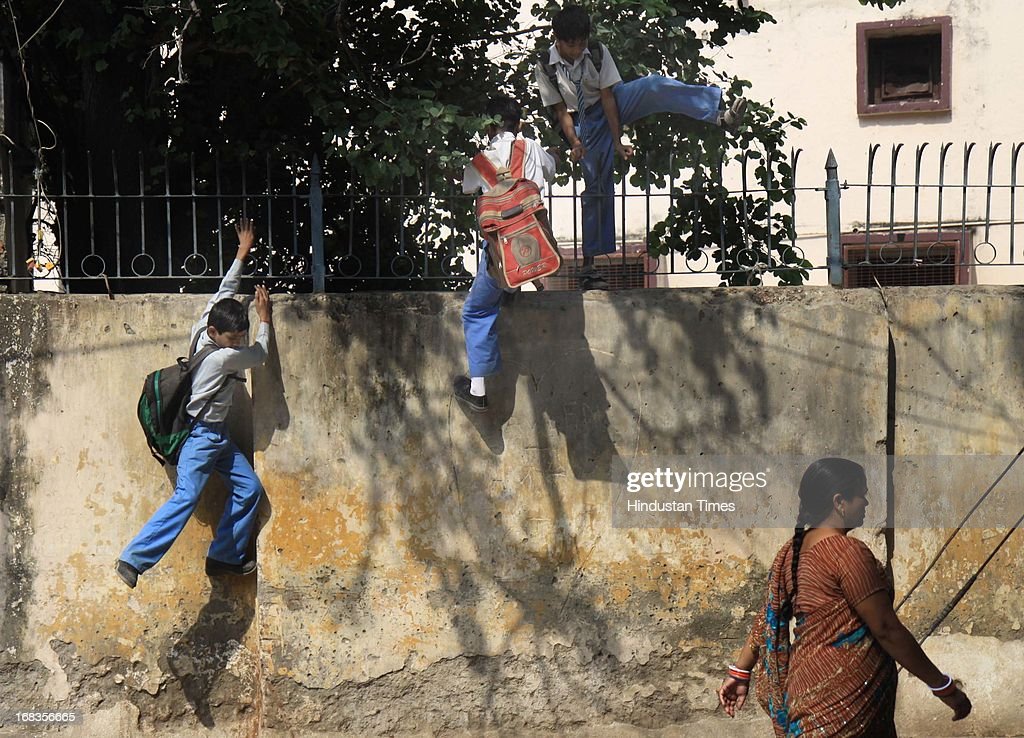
[{"x": 164, "y": 401}]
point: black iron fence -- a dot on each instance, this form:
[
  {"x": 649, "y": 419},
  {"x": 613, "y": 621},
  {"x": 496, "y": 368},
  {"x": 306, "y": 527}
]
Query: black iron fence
[
  {"x": 161, "y": 225},
  {"x": 92, "y": 221}
]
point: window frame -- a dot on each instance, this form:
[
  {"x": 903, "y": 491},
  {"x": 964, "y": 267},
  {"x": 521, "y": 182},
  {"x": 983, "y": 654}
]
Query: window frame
[{"x": 895, "y": 29}]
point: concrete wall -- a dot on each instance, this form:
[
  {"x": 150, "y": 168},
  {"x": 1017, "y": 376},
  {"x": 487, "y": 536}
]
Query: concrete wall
[{"x": 424, "y": 571}]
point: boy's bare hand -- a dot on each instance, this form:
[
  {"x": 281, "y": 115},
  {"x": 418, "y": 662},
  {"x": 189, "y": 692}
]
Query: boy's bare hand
[
  {"x": 262, "y": 303},
  {"x": 578, "y": 151},
  {"x": 624, "y": 150},
  {"x": 246, "y": 237}
]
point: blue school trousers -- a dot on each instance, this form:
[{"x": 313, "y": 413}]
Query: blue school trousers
[
  {"x": 636, "y": 99},
  {"x": 207, "y": 449},
  {"x": 479, "y": 322}
]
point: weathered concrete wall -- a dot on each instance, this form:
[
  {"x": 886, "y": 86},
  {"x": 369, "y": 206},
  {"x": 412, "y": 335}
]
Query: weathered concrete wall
[{"x": 427, "y": 571}]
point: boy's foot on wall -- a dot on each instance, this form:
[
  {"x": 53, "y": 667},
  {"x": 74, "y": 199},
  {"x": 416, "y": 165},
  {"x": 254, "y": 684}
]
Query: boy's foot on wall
[
  {"x": 593, "y": 282},
  {"x": 128, "y": 573},
  {"x": 217, "y": 568},
  {"x": 460, "y": 388},
  {"x": 732, "y": 119}
]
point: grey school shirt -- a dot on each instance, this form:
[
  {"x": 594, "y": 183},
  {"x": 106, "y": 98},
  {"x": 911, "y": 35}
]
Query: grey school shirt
[
  {"x": 582, "y": 70},
  {"x": 222, "y": 362}
]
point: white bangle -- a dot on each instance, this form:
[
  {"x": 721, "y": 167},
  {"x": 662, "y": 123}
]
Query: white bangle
[{"x": 949, "y": 681}]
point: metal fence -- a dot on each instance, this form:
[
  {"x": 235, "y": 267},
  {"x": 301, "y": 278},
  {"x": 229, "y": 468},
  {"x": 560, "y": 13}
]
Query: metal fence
[
  {"x": 90, "y": 221},
  {"x": 160, "y": 225},
  {"x": 943, "y": 216}
]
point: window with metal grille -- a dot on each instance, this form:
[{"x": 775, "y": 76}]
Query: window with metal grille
[
  {"x": 904, "y": 66},
  {"x": 895, "y": 263}
]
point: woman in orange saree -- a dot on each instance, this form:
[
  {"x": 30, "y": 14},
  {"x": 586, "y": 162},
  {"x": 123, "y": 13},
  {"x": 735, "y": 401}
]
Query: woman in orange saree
[{"x": 836, "y": 678}]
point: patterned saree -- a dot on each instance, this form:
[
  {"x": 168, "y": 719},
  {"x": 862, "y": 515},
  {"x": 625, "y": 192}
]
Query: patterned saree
[{"x": 832, "y": 680}]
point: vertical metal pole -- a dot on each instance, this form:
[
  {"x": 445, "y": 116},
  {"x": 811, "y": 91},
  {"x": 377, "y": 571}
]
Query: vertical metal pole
[
  {"x": 117, "y": 214},
  {"x": 270, "y": 220},
  {"x": 833, "y": 221},
  {"x": 316, "y": 225}
]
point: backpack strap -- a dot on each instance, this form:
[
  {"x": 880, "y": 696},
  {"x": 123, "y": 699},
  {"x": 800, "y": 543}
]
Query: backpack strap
[
  {"x": 195, "y": 343},
  {"x": 190, "y": 364},
  {"x": 517, "y": 160},
  {"x": 596, "y": 54},
  {"x": 487, "y": 170},
  {"x": 548, "y": 67}
]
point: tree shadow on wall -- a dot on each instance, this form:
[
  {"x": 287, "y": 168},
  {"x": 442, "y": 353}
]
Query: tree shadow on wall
[
  {"x": 563, "y": 385},
  {"x": 547, "y": 357}
]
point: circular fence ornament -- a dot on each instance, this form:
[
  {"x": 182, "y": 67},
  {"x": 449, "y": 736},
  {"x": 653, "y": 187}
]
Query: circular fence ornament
[
  {"x": 93, "y": 259},
  {"x": 135, "y": 265},
  {"x": 191, "y": 258}
]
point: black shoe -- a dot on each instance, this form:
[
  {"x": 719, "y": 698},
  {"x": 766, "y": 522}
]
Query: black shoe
[
  {"x": 593, "y": 282},
  {"x": 460, "y": 388},
  {"x": 128, "y": 573},
  {"x": 216, "y": 568}
]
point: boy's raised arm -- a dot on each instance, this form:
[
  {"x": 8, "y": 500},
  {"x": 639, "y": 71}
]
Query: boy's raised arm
[{"x": 233, "y": 277}]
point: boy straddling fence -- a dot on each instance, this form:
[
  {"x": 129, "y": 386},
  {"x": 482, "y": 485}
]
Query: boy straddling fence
[
  {"x": 580, "y": 81},
  {"x": 223, "y": 326},
  {"x": 480, "y": 312}
]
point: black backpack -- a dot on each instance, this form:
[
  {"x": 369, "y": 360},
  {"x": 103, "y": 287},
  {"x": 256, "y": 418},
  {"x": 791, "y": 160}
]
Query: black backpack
[
  {"x": 162, "y": 406},
  {"x": 596, "y": 56}
]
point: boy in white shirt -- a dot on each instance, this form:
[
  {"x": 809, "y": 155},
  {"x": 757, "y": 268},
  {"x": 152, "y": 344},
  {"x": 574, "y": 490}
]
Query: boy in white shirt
[
  {"x": 579, "y": 80},
  {"x": 480, "y": 312}
]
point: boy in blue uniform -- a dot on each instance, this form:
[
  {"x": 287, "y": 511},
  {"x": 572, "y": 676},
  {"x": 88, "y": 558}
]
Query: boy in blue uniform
[
  {"x": 225, "y": 325},
  {"x": 591, "y": 103},
  {"x": 480, "y": 311}
]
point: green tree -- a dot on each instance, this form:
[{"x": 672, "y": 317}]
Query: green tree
[{"x": 389, "y": 95}]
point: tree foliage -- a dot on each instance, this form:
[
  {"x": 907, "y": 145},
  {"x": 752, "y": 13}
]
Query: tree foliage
[{"x": 390, "y": 95}]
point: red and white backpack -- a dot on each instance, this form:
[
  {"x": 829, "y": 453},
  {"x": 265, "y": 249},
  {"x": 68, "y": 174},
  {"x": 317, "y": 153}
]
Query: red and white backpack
[{"x": 514, "y": 221}]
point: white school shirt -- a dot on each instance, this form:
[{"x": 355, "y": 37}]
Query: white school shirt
[
  {"x": 538, "y": 164},
  {"x": 567, "y": 73},
  {"x": 224, "y": 361}
]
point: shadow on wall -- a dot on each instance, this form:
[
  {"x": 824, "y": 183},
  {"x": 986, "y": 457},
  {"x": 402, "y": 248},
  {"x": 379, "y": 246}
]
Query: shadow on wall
[
  {"x": 487, "y": 525},
  {"x": 551, "y": 427}
]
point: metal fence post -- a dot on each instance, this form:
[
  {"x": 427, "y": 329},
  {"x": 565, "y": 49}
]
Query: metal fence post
[
  {"x": 833, "y": 223},
  {"x": 316, "y": 225}
]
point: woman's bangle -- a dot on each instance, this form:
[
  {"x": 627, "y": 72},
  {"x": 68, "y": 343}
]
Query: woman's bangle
[
  {"x": 740, "y": 675},
  {"x": 946, "y": 689}
]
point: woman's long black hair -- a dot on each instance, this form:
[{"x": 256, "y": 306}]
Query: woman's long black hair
[{"x": 823, "y": 479}]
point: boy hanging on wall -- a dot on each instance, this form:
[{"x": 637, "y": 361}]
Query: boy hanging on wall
[
  {"x": 480, "y": 312},
  {"x": 225, "y": 325},
  {"x": 591, "y": 103}
]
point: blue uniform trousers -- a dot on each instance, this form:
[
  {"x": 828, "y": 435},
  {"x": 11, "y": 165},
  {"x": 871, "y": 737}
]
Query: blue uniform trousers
[
  {"x": 479, "y": 322},
  {"x": 636, "y": 99},
  {"x": 207, "y": 449}
]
